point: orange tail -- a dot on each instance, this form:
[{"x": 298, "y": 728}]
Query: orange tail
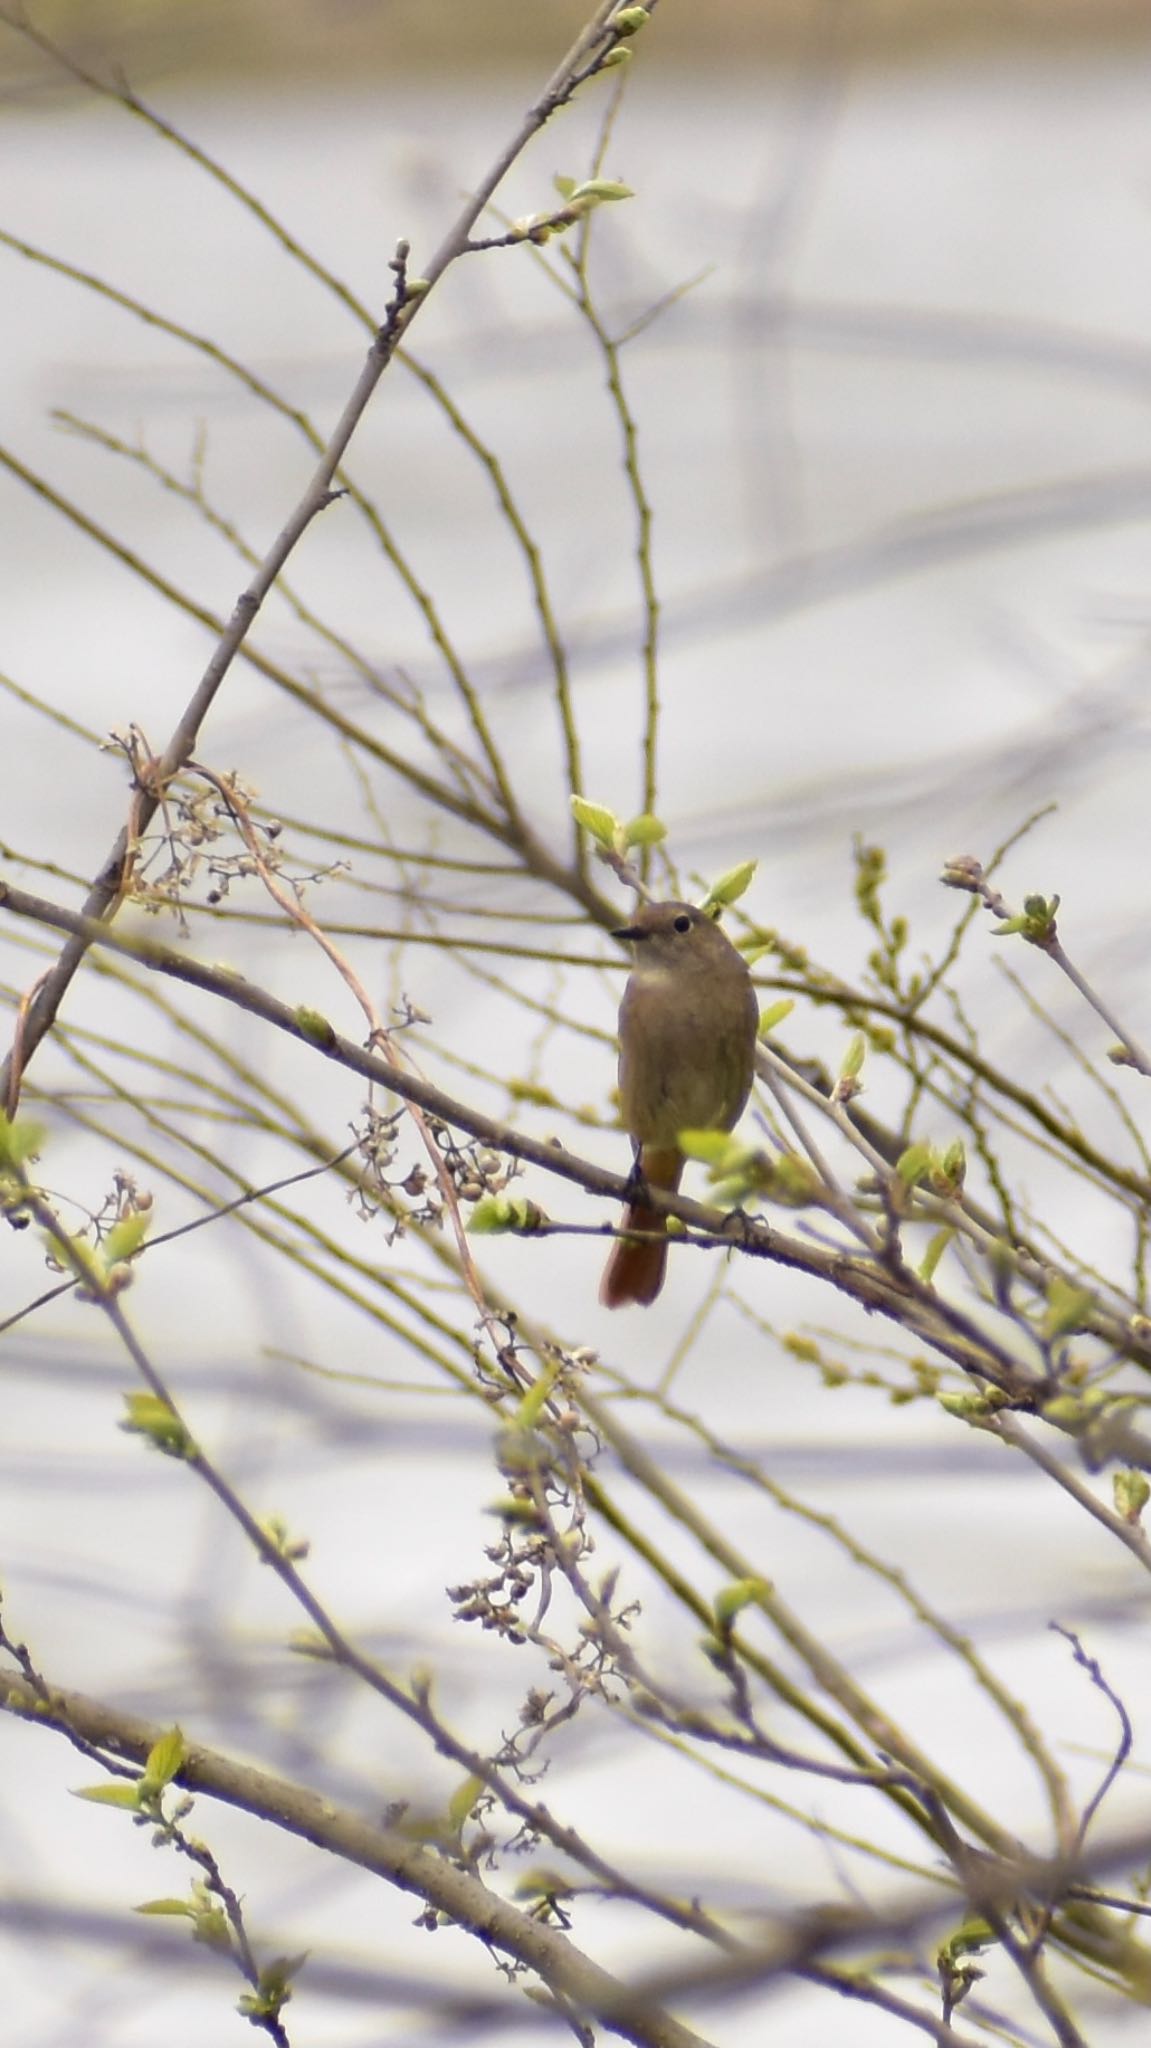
[{"x": 634, "y": 1271}]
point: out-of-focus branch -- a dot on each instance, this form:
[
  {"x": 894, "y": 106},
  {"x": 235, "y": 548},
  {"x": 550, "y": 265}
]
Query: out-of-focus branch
[
  {"x": 386, "y": 1852},
  {"x": 875, "y": 1286},
  {"x": 103, "y": 899}
]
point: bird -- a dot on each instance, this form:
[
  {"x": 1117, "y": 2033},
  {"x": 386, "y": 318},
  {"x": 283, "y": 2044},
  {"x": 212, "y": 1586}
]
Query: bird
[{"x": 688, "y": 1026}]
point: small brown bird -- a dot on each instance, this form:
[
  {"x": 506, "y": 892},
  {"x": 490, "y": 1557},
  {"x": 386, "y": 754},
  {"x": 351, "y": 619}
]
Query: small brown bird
[{"x": 687, "y": 1034}]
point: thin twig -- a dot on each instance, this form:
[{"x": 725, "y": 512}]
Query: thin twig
[{"x": 105, "y": 894}]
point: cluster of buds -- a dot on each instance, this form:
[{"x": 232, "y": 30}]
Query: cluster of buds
[
  {"x": 99, "y": 1257},
  {"x": 622, "y": 25},
  {"x": 475, "y": 1169},
  {"x": 199, "y": 816},
  {"x": 495, "y": 1602},
  {"x": 1035, "y": 922},
  {"x": 404, "y": 1197}
]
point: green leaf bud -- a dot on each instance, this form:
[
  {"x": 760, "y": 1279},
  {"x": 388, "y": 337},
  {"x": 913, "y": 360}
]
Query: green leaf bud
[
  {"x": 731, "y": 1600},
  {"x": 461, "y": 1803},
  {"x": 595, "y": 191},
  {"x": 308, "y": 1642},
  {"x": 148, "y": 1416},
  {"x": 963, "y": 872},
  {"x": 933, "y": 1254},
  {"x": 951, "y": 1170},
  {"x": 914, "y": 1165},
  {"x": 595, "y": 819},
  {"x": 773, "y": 1015},
  {"x": 1132, "y": 1491},
  {"x": 1066, "y": 1411},
  {"x": 498, "y": 1214},
  {"x": 126, "y": 1236},
  {"x": 975, "y": 1934},
  {"x": 164, "y": 1760},
  {"x": 314, "y": 1027},
  {"x": 1036, "y": 922},
  {"x": 126, "y": 1797},
  {"x": 290, "y": 1548},
  {"x": 730, "y": 886},
  {"x": 645, "y": 830},
  {"x": 853, "y": 1058},
  {"x": 535, "y": 1400},
  {"x": 19, "y": 1141},
  {"x": 629, "y": 21},
  {"x": 974, "y": 1408},
  {"x": 1068, "y": 1308}
]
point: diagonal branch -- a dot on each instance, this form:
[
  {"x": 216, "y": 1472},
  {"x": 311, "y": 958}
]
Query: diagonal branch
[
  {"x": 569, "y": 1974},
  {"x": 103, "y": 899},
  {"x": 897, "y": 1295}
]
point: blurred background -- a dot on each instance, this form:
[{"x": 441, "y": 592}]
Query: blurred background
[{"x": 276, "y": 37}]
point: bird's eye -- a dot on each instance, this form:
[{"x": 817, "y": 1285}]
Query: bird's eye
[{"x": 683, "y": 924}]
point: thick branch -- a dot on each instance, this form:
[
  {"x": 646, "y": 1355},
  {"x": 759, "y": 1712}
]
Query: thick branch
[
  {"x": 633, "y": 2013},
  {"x": 873, "y": 1285},
  {"x": 568, "y": 1973}
]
